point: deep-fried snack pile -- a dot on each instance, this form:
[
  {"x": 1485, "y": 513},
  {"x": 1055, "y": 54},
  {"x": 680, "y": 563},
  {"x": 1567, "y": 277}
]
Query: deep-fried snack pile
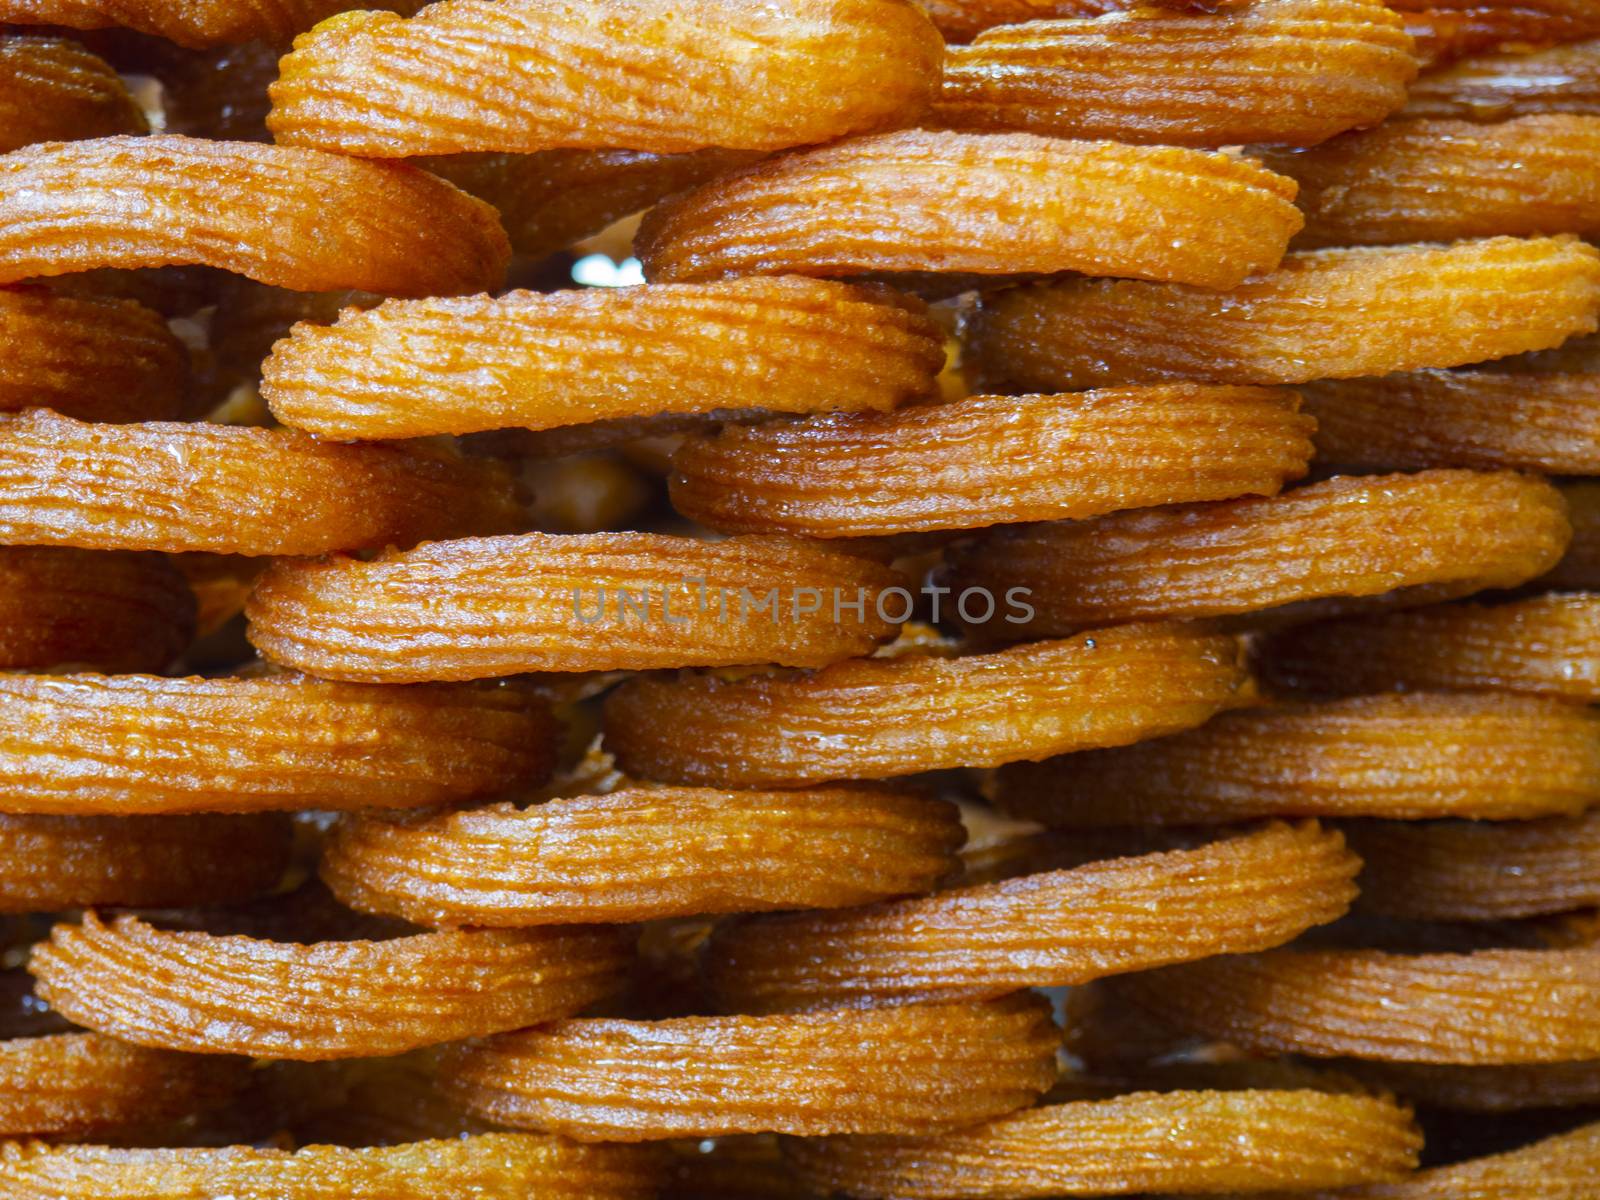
[
  {"x": 835, "y": 599},
  {"x": 570, "y": 358},
  {"x": 982, "y": 460},
  {"x": 1323, "y": 314},
  {"x": 1435, "y": 181},
  {"x": 1388, "y": 537},
  {"x": 94, "y": 358},
  {"x": 1283, "y": 72},
  {"x": 55, "y": 90},
  {"x": 1018, "y": 204},
  {"x": 797, "y": 1073},
  {"x": 662, "y": 78},
  {"x": 1216, "y": 1140},
  {"x": 283, "y": 215}
]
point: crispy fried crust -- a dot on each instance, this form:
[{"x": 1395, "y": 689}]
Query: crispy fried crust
[
  {"x": 987, "y": 459},
  {"x": 290, "y": 217},
  {"x": 876, "y": 718},
  {"x": 1438, "y": 181},
  {"x": 80, "y": 1083},
  {"x": 491, "y": 1166},
  {"x": 53, "y": 90},
  {"x": 1485, "y": 418},
  {"x": 959, "y": 20},
  {"x": 1448, "y": 29},
  {"x": 1064, "y": 927},
  {"x": 581, "y": 602},
  {"x": 798, "y": 1073},
  {"x": 696, "y": 75},
  {"x": 1344, "y": 537},
  {"x": 137, "y": 744},
  {"x": 233, "y": 490},
  {"x": 538, "y": 360},
  {"x": 1497, "y": 87},
  {"x": 94, "y": 359},
  {"x": 548, "y": 201},
  {"x": 1545, "y": 644},
  {"x": 644, "y": 853},
  {"x": 1487, "y": 1007},
  {"x": 1017, "y": 204},
  {"x": 52, "y": 863},
  {"x": 193, "y": 23},
  {"x": 1282, "y": 72},
  {"x": 1469, "y": 871},
  {"x": 1407, "y": 756},
  {"x": 1562, "y": 1167},
  {"x": 1323, "y": 314},
  {"x": 1179, "y": 1141},
  {"x": 197, "y": 992},
  {"x": 109, "y": 610}
]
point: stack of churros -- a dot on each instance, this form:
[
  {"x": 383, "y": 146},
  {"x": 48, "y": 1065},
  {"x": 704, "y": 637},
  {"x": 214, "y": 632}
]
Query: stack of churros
[{"x": 939, "y": 600}]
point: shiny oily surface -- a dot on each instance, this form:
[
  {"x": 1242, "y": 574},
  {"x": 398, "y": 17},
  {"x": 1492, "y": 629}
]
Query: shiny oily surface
[
  {"x": 551, "y": 199},
  {"x": 1324, "y": 314},
  {"x": 50, "y": 863},
  {"x": 1408, "y": 756},
  {"x": 481, "y": 607},
  {"x": 1055, "y": 928},
  {"x": 1448, "y": 29},
  {"x": 1545, "y": 421},
  {"x": 877, "y": 718},
  {"x": 1144, "y": 1141},
  {"x": 80, "y": 1083},
  {"x": 192, "y": 23},
  {"x": 118, "y": 611},
  {"x": 915, "y": 1068},
  {"x": 960, "y": 20},
  {"x": 1546, "y": 645},
  {"x": 1438, "y": 181},
  {"x": 207, "y": 994},
  {"x": 91, "y": 358},
  {"x": 281, "y": 215},
  {"x": 644, "y": 853},
  {"x": 233, "y": 490},
  {"x": 538, "y": 360},
  {"x": 1343, "y": 537},
  {"x": 1017, "y": 204},
  {"x": 740, "y": 75},
  {"x": 122, "y": 745},
  {"x": 1490, "y": 1006},
  {"x": 53, "y": 90},
  {"x": 1473, "y": 871},
  {"x": 985, "y": 459},
  {"x": 490, "y": 1166},
  {"x": 1497, "y": 87},
  {"x": 1283, "y": 72}
]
